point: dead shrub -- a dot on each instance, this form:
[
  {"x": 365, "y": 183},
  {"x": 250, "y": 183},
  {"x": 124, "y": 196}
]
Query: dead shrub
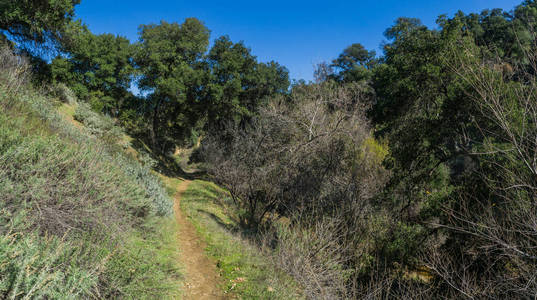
[{"x": 15, "y": 70}]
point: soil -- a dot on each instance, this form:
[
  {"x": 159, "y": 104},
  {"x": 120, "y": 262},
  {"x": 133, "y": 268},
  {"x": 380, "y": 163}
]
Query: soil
[{"x": 202, "y": 278}]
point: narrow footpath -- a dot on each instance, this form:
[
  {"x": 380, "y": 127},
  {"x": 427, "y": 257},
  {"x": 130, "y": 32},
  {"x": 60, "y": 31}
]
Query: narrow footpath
[{"x": 202, "y": 279}]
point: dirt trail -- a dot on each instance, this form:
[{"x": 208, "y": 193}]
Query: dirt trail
[{"x": 202, "y": 278}]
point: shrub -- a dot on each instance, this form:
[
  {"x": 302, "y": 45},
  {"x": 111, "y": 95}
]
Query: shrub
[
  {"x": 63, "y": 93},
  {"x": 313, "y": 256},
  {"x": 99, "y": 125},
  {"x": 311, "y": 159},
  {"x": 44, "y": 268},
  {"x": 15, "y": 70},
  {"x": 303, "y": 153}
]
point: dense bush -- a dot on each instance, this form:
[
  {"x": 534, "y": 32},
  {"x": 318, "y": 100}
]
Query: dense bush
[
  {"x": 64, "y": 93},
  {"x": 490, "y": 222},
  {"x": 309, "y": 158},
  {"x": 455, "y": 218}
]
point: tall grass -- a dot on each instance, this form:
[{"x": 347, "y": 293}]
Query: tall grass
[
  {"x": 79, "y": 219},
  {"x": 99, "y": 125}
]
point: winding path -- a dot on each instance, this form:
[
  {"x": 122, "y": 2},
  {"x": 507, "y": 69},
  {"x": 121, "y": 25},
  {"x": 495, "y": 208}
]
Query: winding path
[{"x": 202, "y": 278}]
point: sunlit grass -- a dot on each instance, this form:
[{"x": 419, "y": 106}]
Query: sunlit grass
[
  {"x": 247, "y": 273},
  {"x": 78, "y": 219}
]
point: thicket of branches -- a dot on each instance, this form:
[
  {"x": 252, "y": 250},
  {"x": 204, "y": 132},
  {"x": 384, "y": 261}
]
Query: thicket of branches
[
  {"x": 308, "y": 158},
  {"x": 445, "y": 209},
  {"x": 311, "y": 152}
]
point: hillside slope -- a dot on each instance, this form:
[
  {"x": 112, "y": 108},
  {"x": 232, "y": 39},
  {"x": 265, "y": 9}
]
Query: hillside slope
[{"x": 79, "y": 218}]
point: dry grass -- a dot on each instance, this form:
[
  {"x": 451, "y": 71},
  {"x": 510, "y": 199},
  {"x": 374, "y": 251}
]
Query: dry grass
[{"x": 64, "y": 188}]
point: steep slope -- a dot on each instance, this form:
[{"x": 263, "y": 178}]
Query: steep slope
[{"x": 79, "y": 218}]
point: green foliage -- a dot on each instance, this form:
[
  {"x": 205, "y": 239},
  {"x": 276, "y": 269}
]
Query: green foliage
[
  {"x": 185, "y": 88},
  {"x": 449, "y": 101},
  {"x": 170, "y": 65},
  {"x": 238, "y": 85},
  {"x": 354, "y": 64},
  {"x": 378, "y": 150},
  {"x": 35, "y": 20},
  {"x": 99, "y": 68},
  {"x": 190, "y": 91}
]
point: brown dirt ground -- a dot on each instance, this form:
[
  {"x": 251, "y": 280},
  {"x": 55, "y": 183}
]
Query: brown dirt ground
[{"x": 202, "y": 278}]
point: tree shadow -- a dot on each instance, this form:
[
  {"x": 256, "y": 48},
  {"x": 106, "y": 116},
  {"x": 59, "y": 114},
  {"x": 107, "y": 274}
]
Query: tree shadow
[
  {"x": 219, "y": 221},
  {"x": 166, "y": 164}
]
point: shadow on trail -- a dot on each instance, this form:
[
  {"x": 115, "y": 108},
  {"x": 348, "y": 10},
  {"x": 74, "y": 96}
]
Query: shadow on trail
[{"x": 166, "y": 164}]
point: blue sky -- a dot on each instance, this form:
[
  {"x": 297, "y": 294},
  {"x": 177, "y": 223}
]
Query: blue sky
[{"x": 297, "y": 34}]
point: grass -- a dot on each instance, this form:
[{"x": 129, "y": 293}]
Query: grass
[
  {"x": 78, "y": 217},
  {"x": 248, "y": 274},
  {"x": 67, "y": 110}
]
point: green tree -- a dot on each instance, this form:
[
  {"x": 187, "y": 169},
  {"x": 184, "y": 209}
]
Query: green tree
[
  {"x": 237, "y": 84},
  {"x": 504, "y": 35},
  {"x": 423, "y": 110},
  {"x": 354, "y": 63},
  {"x": 170, "y": 63},
  {"x": 35, "y": 20},
  {"x": 99, "y": 68},
  {"x": 410, "y": 67}
]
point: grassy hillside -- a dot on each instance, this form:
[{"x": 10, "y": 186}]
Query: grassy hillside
[{"x": 79, "y": 218}]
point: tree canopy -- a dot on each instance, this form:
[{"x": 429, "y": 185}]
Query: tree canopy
[
  {"x": 238, "y": 84},
  {"x": 354, "y": 63},
  {"x": 170, "y": 63},
  {"x": 99, "y": 68},
  {"x": 35, "y": 20}
]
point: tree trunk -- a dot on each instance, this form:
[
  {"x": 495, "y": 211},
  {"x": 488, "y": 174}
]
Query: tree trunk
[{"x": 154, "y": 128}]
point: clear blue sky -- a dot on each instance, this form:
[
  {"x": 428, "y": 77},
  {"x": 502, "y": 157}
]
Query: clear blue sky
[{"x": 297, "y": 34}]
